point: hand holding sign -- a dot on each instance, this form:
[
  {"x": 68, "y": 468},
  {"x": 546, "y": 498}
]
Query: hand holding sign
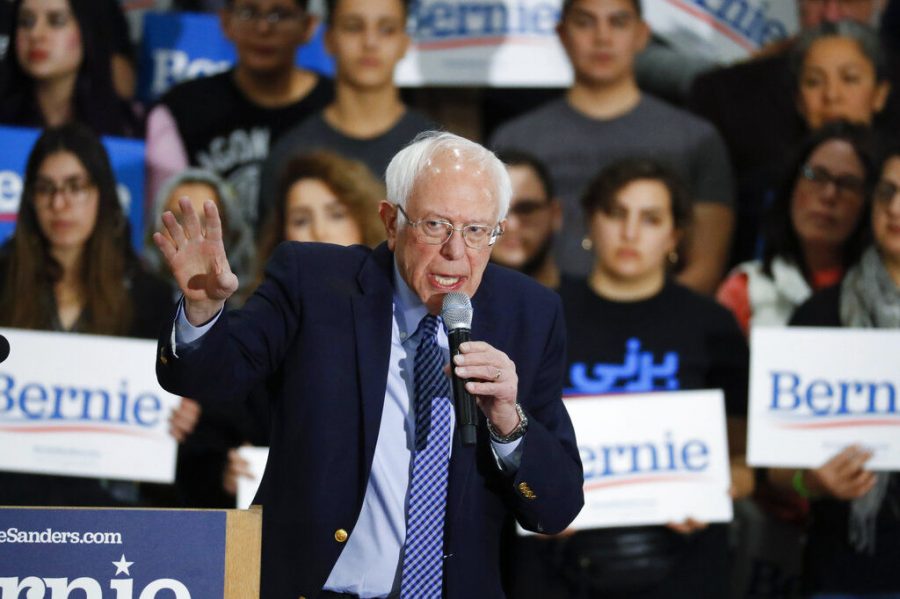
[
  {"x": 197, "y": 260},
  {"x": 844, "y": 476}
]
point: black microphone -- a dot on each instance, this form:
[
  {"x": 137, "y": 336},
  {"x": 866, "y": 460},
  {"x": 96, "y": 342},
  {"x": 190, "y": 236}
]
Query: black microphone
[
  {"x": 4, "y": 348},
  {"x": 457, "y": 315}
]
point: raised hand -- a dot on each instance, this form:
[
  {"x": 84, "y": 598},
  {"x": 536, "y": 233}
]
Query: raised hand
[
  {"x": 197, "y": 260},
  {"x": 843, "y": 476}
]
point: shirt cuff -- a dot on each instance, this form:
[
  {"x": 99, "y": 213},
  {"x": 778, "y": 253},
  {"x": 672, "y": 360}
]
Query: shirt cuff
[
  {"x": 508, "y": 455},
  {"x": 184, "y": 333}
]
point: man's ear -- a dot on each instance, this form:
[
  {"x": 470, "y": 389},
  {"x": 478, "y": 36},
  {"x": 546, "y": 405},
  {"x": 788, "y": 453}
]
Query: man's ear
[
  {"x": 556, "y": 214},
  {"x": 225, "y": 18},
  {"x": 388, "y": 213}
]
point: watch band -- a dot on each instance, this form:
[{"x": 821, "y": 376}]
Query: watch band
[{"x": 516, "y": 433}]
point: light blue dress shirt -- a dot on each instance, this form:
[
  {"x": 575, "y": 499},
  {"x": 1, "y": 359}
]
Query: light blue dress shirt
[{"x": 369, "y": 565}]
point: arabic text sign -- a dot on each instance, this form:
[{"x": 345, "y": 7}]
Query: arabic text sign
[
  {"x": 84, "y": 405},
  {"x": 137, "y": 554},
  {"x": 652, "y": 458},
  {"x": 814, "y": 391}
]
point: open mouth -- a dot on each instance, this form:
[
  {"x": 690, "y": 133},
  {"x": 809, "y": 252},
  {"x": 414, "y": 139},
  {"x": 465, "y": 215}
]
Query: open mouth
[{"x": 446, "y": 282}]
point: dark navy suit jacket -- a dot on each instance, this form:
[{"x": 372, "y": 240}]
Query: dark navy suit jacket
[{"x": 320, "y": 324}]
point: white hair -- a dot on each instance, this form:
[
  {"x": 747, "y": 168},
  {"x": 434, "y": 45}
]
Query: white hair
[{"x": 408, "y": 164}]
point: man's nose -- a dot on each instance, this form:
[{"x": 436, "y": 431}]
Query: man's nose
[{"x": 455, "y": 247}]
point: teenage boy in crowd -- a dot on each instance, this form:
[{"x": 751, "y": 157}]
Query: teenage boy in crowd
[
  {"x": 227, "y": 123},
  {"x": 604, "y": 117},
  {"x": 534, "y": 219},
  {"x": 367, "y": 120}
]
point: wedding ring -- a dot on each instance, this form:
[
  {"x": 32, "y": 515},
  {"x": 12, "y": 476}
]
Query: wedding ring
[{"x": 497, "y": 376}]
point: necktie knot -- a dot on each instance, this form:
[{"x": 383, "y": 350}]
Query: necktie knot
[{"x": 429, "y": 326}]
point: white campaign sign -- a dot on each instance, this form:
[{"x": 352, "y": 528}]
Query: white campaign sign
[
  {"x": 84, "y": 405},
  {"x": 652, "y": 458},
  {"x": 814, "y": 391},
  {"x": 246, "y": 489}
]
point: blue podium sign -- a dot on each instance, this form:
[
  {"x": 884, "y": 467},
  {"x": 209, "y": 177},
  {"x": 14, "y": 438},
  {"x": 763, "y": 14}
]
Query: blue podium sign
[
  {"x": 125, "y": 155},
  {"x": 178, "y": 47},
  {"x": 116, "y": 554}
]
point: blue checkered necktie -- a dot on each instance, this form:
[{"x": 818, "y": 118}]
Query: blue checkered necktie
[{"x": 423, "y": 563}]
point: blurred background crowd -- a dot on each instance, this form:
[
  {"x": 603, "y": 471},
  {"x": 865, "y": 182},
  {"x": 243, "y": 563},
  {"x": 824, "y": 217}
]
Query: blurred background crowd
[{"x": 671, "y": 200}]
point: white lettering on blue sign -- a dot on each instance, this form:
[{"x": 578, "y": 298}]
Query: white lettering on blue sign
[
  {"x": 441, "y": 20},
  {"x": 10, "y": 192},
  {"x": 172, "y": 66},
  {"x": 88, "y": 588},
  {"x": 36, "y": 401}
]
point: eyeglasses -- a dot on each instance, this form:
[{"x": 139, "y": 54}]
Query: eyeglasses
[
  {"x": 845, "y": 185},
  {"x": 75, "y": 191},
  {"x": 278, "y": 18},
  {"x": 56, "y": 19},
  {"x": 885, "y": 192},
  {"x": 438, "y": 232}
]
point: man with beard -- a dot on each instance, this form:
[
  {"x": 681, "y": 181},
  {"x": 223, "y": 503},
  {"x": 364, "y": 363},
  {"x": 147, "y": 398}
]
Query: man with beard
[{"x": 535, "y": 217}]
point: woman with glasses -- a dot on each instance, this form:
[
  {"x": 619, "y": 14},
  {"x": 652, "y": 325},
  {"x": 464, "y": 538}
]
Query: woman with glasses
[
  {"x": 637, "y": 214},
  {"x": 814, "y": 232},
  {"x": 227, "y": 123},
  {"x": 69, "y": 267},
  {"x": 58, "y": 70},
  {"x": 853, "y": 544}
]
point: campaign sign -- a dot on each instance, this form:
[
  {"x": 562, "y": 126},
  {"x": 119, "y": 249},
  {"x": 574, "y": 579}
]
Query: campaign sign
[
  {"x": 84, "y": 405},
  {"x": 111, "y": 554},
  {"x": 652, "y": 458},
  {"x": 725, "y": 29},
  {"x": 814, "y": 391},
  {"x": 179, "y": 46},
  {"x": 126, "y": 157},
  {"x": 469, "y": 42},
  {"x": 256, "y": 458}
]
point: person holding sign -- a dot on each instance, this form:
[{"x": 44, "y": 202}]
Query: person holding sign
[
  {"x": 854, "y": 534},
  {"x": 70, "y": 267},
  {"x": 368, "y": 491},
  {"x": 631, "y": 328}
]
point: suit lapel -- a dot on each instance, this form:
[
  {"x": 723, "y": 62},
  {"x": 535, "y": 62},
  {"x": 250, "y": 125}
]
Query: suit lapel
[{"x": 372, "y": 317}]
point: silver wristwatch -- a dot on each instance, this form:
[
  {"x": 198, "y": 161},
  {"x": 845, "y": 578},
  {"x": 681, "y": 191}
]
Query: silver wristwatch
[{"x": 516, "y": 433}]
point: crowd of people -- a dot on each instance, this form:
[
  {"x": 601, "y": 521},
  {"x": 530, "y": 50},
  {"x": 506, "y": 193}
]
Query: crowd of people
[{"x": 771, "y": 196}]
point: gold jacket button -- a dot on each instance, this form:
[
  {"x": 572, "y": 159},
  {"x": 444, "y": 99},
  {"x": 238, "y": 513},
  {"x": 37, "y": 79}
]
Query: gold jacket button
[
  {"x": 526, "y": 491},
  {"x": 340, "y": 535}
]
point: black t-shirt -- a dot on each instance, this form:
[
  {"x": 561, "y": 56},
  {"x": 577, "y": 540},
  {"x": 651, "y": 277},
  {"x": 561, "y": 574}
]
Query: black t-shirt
[
  {"x": 830, "y": 564},
  {"x": 695, "y": 344},
  {"x": 225, "y": 132}
]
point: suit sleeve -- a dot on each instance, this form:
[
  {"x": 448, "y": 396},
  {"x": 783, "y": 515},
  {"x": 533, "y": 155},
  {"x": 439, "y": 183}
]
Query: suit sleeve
[
  {"x": 548, "y": 487},
  {"x": 243, "y": 348}
]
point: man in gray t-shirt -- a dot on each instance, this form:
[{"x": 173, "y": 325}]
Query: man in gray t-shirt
[{"x": 605, "y": 117}]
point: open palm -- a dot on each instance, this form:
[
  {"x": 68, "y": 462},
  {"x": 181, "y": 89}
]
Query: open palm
[{"x": 197, "y": 260}]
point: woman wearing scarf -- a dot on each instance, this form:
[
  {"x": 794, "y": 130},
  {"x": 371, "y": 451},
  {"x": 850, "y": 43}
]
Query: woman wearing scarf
[{"x": 853, "y": 547}]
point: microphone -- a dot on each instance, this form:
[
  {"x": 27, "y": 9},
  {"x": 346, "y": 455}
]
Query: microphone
[
  {"x": 457, "y": 315},
  {"x": 4, "y": 348}
]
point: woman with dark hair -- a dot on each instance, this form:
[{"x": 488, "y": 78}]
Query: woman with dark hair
[
  {"x": 853, "y": 544},
  {"x": 815, "y": 228},
  {"x": 58, "y": 70},
  {"x": 637, "y": 214},
  {"x": 69, "y": 267}
]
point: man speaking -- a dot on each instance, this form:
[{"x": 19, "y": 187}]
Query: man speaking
[{"x": 368, "y": 491}]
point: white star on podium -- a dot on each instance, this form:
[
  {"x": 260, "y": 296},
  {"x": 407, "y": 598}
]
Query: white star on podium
[{"x": 122, "y": 566}]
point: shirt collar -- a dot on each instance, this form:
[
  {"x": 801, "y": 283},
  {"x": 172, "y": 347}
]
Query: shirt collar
[{"x": 408, "y": 308}]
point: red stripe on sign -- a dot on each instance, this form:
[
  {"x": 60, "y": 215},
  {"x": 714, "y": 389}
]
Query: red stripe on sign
[
  {"x": 481, "y": 41},
  {"x": 75, "y": 428},
  {"x": 710, "y": 20},
  {"x": 841, "y": 424},
  {"x": 8, "y": 218},
  {"x": 639, "y": 480}
]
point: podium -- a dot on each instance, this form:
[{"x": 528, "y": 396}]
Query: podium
[{"x": 100, "y": 553}]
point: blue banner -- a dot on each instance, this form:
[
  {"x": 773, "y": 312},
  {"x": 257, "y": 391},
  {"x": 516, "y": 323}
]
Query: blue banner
[
  {"x": 119, "y": 554},
  {"x": 125, "y": 155},
  {"x": 178, "y": 47}
]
